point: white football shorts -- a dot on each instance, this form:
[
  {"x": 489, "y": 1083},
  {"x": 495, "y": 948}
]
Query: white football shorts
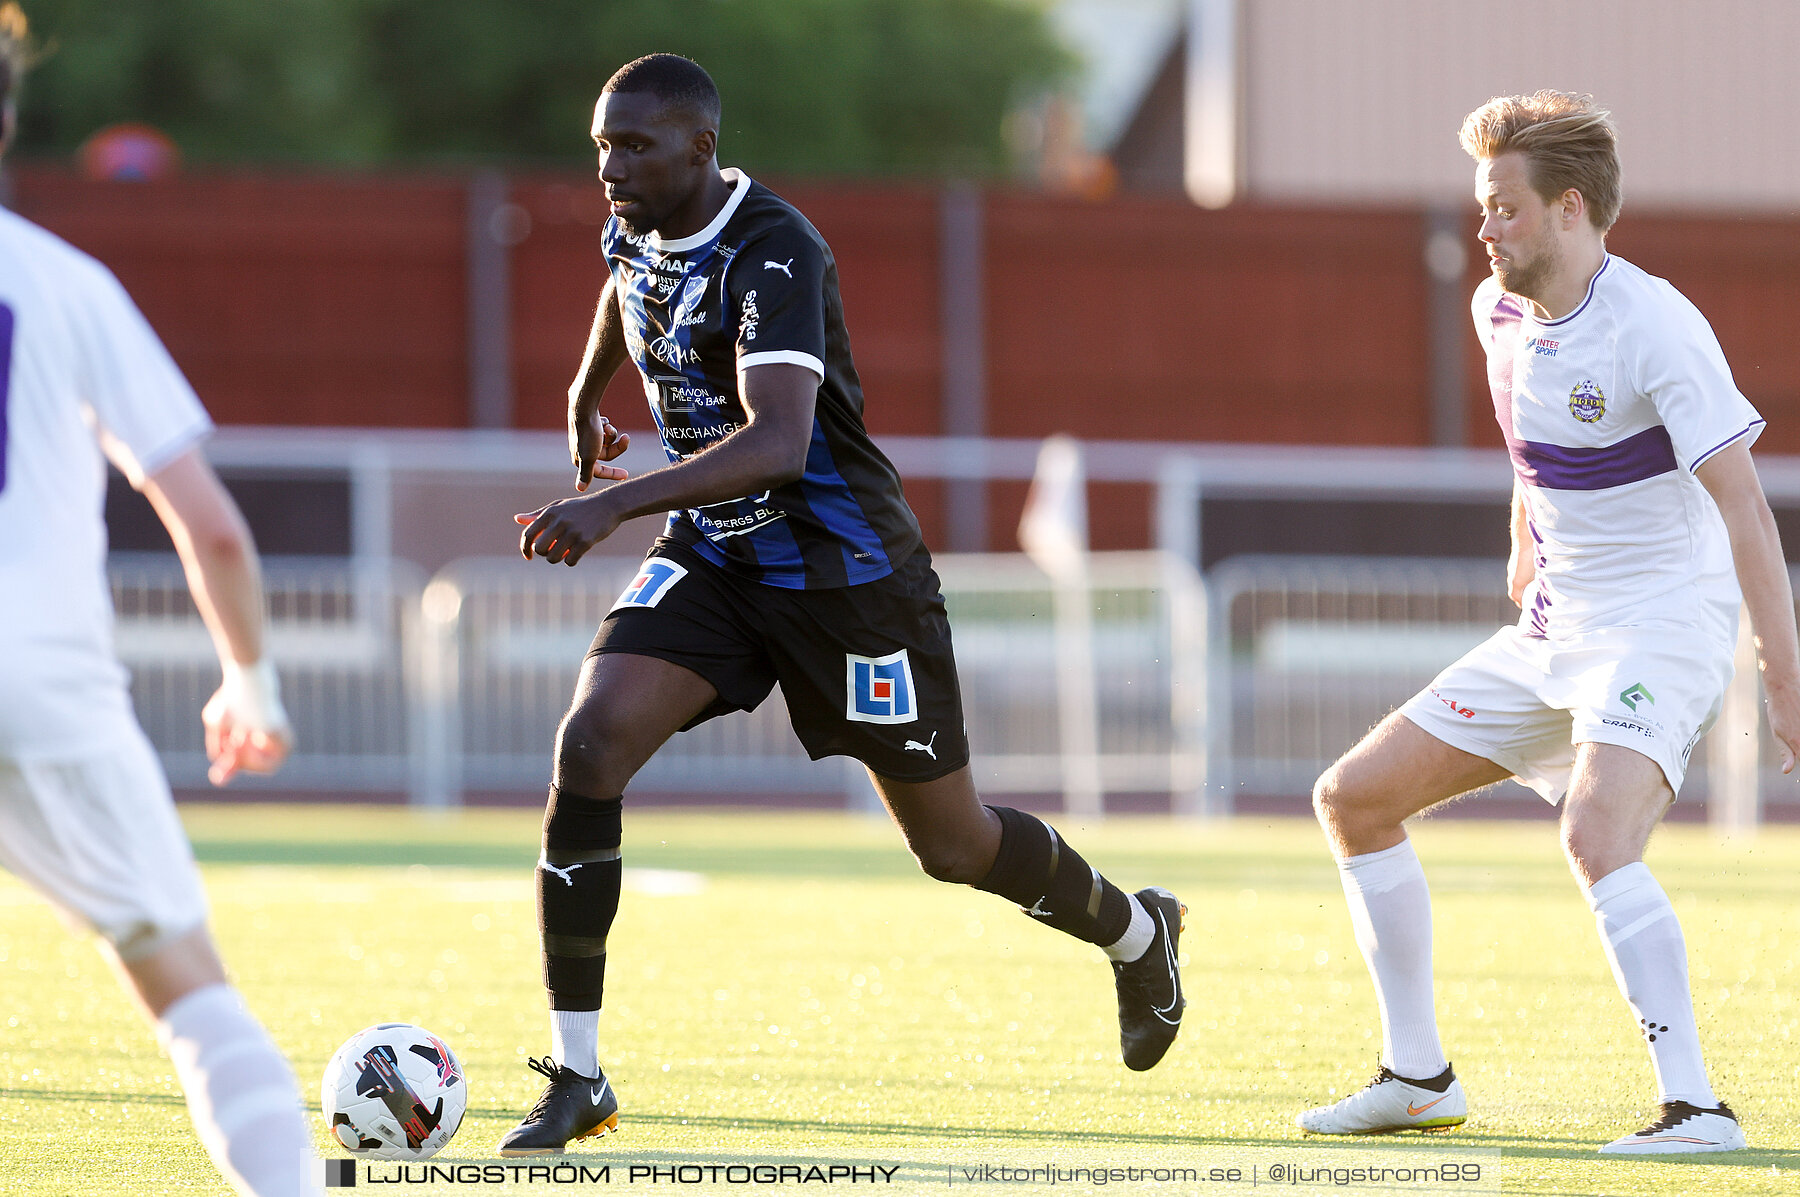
[
  {"x": 98, "y": 835},
  {"x": 1525, "y": 703}
]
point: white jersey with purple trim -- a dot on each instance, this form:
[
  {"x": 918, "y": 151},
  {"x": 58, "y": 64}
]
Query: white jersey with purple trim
[
  {"x": 1607, "y": 412},
  {"x": 80, "y": 368}
]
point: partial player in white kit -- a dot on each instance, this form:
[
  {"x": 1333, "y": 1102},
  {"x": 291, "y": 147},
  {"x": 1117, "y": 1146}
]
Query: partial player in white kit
[
  {"x": 85, "y": 812},
  {"x": 1638, "y": 520}
]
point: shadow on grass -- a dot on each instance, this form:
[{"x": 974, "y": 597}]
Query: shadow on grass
[
  {"x": 85, "y": 1097},
  {"x": 1511, "y": 1147},
  {"x": 1588, "y": 1151},
  {"x": 399, "y": 853}
]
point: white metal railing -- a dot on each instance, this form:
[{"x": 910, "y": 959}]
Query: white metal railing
[
  {"x": 1308, "y": 653},
  {"x": 342, "y": 637},
  {"x": 503, "y": 642},
  {"x": 1249, "y": 686},
  {"x": 454, "y": 686}
]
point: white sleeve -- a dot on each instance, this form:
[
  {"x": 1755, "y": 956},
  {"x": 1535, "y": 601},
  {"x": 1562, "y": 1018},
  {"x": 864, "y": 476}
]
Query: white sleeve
[
  {"x": 1682, "y": 370},
  {"x": 143, "y": 409}
]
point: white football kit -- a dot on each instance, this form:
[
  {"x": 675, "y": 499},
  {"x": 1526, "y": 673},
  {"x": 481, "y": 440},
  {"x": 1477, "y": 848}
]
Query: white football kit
[
  {"x": 1630, "y": 624},
  {"x": 85, "y": 811}
]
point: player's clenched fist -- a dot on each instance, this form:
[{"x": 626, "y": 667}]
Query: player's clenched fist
[
  {"x": 247, "y": 728},
  {"x": 566, "y": 529}
]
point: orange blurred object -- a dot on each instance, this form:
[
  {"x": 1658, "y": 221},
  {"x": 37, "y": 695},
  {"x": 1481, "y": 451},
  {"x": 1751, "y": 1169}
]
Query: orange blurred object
[{"x": 129, "y": 152}]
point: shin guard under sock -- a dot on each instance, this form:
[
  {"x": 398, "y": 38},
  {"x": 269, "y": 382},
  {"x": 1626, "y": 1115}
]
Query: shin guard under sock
[
  {"x": 240, "y": 1092},
  {"x": 1648, "y": 954},
  {"x": 1052, "y": 883},
  {"x": 578, "y": 880}
]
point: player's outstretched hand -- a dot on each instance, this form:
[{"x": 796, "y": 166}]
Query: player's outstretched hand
[
  {"x": 1784, "y": 720},
  {"x": 247, "y": 728},
  {"x": 566, "y": 529},
  {"x": 594, "y": 440}
]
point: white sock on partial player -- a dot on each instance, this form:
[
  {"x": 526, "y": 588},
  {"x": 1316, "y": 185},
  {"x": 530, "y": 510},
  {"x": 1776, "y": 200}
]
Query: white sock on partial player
[
  {"x": 241, "y": 1093},
  {"x": 1648, "y": 953},
  {"x": 575, "y": 1040},
  {"x": 1138, "y": 936},
  {"x": 1390, "y": 908}
]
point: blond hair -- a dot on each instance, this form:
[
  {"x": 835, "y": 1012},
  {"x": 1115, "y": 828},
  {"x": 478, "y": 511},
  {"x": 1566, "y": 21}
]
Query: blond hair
[
  {"x": 15, "y": 49},
  {"x": 1568, "y": 143}
]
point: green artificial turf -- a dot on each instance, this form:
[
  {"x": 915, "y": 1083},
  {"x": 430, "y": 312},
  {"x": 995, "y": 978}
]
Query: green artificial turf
[{"x": 788, "y": 989}]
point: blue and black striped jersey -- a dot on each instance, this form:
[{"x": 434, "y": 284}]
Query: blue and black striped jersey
[{"x": 759, "y": 285}]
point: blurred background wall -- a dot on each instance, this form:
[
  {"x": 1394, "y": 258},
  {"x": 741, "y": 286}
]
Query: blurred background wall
[
  {"x": 1228, "y": 244},
  {"x": 297, "y": 299}
]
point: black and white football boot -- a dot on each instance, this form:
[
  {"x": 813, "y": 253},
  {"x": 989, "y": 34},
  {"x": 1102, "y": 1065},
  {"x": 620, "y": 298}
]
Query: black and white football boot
[
  {"x": 1682, "y": 1128},
  {"x": 572, "y": 1107},
  {"x": 1150, "y": 1001}
]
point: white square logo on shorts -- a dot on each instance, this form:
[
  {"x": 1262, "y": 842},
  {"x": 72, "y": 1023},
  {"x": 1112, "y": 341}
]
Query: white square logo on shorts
[
  {"x": 653, "y": 581},
  {"x": 879, "y": 689}
]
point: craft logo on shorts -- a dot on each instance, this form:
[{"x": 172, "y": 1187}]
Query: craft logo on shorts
[
  {"x": 879, "y": 689},
  {"x": 1587, "y": 402},
  {"x": 651, "y": 584},
  {"x": 1465, "y": 712}
]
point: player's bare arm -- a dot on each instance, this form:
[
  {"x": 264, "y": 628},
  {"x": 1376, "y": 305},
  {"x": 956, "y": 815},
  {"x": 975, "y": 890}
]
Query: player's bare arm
[
  {"x": 1521, "y": 566},
  {"x": 246, "y": 727},
  {"x": 592, "y": 438},
  {"x": 768, "y": 451},
  {"x": 1730, "y": 477}
]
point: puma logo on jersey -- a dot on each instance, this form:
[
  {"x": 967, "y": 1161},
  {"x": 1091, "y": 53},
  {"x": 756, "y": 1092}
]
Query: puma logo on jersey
[
  {"x": 563, "y": 873},
  {"x": 915, "y": 746},
  {"x": 785, "y": 267}
]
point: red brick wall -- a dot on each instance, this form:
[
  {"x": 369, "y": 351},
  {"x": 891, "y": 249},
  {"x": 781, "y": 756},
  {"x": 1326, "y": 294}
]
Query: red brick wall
[
  {"x": 312, "y": 299},
  {"x": 287, "y": 300},
  {"x": 1155, "y": 320}
]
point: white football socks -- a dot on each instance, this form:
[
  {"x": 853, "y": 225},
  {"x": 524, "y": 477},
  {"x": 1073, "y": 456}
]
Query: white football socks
[
  {"x": 575, "y": 1040},
  {"x": 1648, "y": 953},
  {"x": 1138, "y": 936},
  {"x": 1390, "y": 907},
  {"x": 241, "y": 1094}
]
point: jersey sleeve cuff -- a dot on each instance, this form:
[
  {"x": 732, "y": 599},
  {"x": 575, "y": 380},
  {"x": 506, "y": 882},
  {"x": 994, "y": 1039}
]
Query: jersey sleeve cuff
[
  {"x": 782, "y": 357},
  {"x": 1747, "y": 436},
  {"x": 137, "y": 467}
]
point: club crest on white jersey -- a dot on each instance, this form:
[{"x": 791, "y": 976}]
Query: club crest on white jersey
[
  {"x": 1587, "y": 402},
  {"x": 879, "y": 689}
]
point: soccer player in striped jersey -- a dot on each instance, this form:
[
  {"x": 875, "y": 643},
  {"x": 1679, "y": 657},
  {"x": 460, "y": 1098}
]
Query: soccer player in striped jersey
[
  {"x": 790, "y": 556},
  {"x": 1638, "y": 523},
  {"x": 86, "y": 816}
]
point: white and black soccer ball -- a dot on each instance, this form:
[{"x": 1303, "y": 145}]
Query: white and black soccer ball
[{"x": 394, "y": 1092}]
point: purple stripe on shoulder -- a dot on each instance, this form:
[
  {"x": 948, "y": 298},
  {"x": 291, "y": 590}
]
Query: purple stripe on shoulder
[
  {"x": 1733, "y": 439},
  {"x": 1561, "y": 467}
]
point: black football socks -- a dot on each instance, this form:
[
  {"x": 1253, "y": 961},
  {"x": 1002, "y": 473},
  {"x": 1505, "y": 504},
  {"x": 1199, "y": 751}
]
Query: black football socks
[
  {"x": 578, "y": 880},
  {"x": 1052, "y": 883}
]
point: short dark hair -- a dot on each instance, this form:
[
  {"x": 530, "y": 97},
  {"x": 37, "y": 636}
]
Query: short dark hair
[
  {"x": 15, "y": 49},
  {"x": 678, "y": 82}
]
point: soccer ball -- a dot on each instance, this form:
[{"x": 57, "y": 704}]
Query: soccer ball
[{"x": 393, "y": 1092}]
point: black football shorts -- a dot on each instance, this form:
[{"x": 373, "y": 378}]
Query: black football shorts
[{"x": 867, "y": 671}]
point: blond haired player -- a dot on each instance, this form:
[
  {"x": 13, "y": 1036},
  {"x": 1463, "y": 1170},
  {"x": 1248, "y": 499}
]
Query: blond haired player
[
  {"x": 1638, "y": 521},
  {"x": 85, "y": 812}
]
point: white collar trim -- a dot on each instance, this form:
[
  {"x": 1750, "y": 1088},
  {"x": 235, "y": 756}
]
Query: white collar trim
[{"x": 740, "y": 183}]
